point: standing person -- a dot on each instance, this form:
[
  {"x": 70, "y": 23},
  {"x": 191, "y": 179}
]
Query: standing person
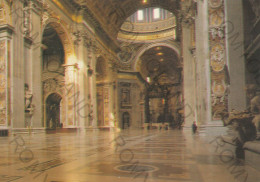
[{"x": 194, "y": 127}]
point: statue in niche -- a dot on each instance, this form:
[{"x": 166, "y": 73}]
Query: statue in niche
[
  {"x": 28, "y": 99},
  {"x": 254, "y": 97}
]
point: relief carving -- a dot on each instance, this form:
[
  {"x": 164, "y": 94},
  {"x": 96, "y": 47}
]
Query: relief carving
[
  {"x": 52, "y": 85},
  {"x": 2, "y": 115},
  {"x": 2, "y": 83},
  {"x": 28, "y": 99},
  {"x": 217, "y": 57}
]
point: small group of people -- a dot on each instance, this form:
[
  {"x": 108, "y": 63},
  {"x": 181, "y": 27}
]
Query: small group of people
[{"x": 165, "y": 126}]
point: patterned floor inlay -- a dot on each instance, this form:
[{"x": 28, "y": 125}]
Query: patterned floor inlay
[
  {"x": 160, "y": 157},
  {"x": 117, "y": 156},
  {"x": 159, "y": 171},
  {"x": 44, "y": 166},
  {"x": 5, "y": 178},
  {"x": 136, "y": 168}
]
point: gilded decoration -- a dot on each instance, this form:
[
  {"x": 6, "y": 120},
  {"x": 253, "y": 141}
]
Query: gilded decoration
[
  {"x": 126, "y": 53},
  {"x": 3, "y": 83},
  {"x": 215, "y": 3},
  {"x": 164, "y": 35},
  {"x": 217, "y": 57},
  {"x": 52, "y": 85},
  {"x": 219, "y": 88},
  {"x": 219, "y": 97},
  {"x": 5, "y": 11},
  {"x": 59, "y": 26},
  {"x": 158, "y": 26},
  {"x": 217, "y": 33},
  {"x": 106, "y": 106},
  {"x": 2, "y": 14},
  {"x": 216, "y": 18}
]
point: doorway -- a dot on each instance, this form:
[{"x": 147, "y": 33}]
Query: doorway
[
  {"x": 126, "y": 120},
  {"x": 53, "y": 111}
]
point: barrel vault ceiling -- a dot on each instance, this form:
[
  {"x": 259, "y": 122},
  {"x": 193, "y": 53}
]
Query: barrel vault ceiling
[{"x": 107, "y": 16}]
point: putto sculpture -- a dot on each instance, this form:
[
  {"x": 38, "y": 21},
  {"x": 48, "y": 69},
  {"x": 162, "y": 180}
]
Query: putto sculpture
[{"x": 28, "y": 99}]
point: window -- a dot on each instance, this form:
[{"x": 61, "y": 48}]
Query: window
[
  {"x": 156, "y": 13},
  {"x": 140, "y": 15}
]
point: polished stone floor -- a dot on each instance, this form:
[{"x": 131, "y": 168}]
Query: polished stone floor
[{"x": 116, "y": 156}]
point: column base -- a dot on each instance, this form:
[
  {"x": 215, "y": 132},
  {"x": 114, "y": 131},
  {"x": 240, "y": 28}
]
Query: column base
[
  {"x": 4, "y": 132},
  {"x": 213, "y": 129}
]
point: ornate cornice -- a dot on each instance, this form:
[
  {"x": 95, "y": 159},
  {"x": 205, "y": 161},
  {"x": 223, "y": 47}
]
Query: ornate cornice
[
  {"x": 6, "y": 28},
  {"x": 98, "y": 28}
]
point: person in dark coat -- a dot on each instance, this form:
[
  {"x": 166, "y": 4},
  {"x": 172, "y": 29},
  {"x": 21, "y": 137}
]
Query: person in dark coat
[{"x": 194, "y": 127}]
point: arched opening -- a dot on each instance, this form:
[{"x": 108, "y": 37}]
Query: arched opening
[
  {"x": 151, "y": 24},
  {"x": 53, "y": 111},
  {"x": 149, "y": 46},
  {"x": 53, "y": 77},
  {"x": 126, "y": 120},
  {"x": 53, "y": 51},
  {"x": 162, "y": 70}
]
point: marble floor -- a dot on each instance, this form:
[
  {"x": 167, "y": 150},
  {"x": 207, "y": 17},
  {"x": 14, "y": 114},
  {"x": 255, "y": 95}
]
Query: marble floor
[{"x": 116, "y": 156}]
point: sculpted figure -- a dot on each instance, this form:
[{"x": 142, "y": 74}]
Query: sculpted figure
[
  {"x": 28, "y": 97},
  {"x": 255, "y": 109},
  {"x": 254, "y": 97}
]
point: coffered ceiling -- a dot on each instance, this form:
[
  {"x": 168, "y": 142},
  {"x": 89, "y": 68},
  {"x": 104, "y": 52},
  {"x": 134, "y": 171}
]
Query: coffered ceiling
[
  {"x": 161, "y": 63},
  {"x": 109, "y": 15}
]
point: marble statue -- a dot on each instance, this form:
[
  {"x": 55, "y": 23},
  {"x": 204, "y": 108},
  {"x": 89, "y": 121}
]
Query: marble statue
[
  {"x": 255, "y": 109},
  {"x": 254, "y": 98},
  {"x": 28, "y": 98}
]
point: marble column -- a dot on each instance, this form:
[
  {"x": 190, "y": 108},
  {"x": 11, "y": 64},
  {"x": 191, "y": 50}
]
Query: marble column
[
  {"x": 35, "y": 34},
  {"x": 92, "y": 107},
  {"x": 17, "y": 68},
  {"x": 6, "y": 85},
  {"x": 234, "y": 53},
  {"x": 110, "y": 95},
  {"x": 82, "y": 99},
  {"x": 189, "y": 77},
  {"x": 71, "y": 93},
  {"x": 203, "y": 67},
  {"x": 5, "y": 67}
]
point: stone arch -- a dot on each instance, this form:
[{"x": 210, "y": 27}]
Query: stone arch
[
  {"x": 135, "y": 6},
  {"x": 53, "y": 110},
  {"x": 58, "y": 89},
  {"x": 136, "y": 62},
  {"x": 63, "y": 34}
]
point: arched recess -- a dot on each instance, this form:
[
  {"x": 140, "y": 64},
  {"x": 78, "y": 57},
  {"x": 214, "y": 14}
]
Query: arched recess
[
  {"x": 53, "y": 111},
  {"x": 133, "y": 6},
  {"x": 126, "y": 8},
  {"x": 136, "y": 62},
  {"x": 53, "y": 72},
  {"x": 64, "y": 36},
  {"x": 160, "y": 65}
]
